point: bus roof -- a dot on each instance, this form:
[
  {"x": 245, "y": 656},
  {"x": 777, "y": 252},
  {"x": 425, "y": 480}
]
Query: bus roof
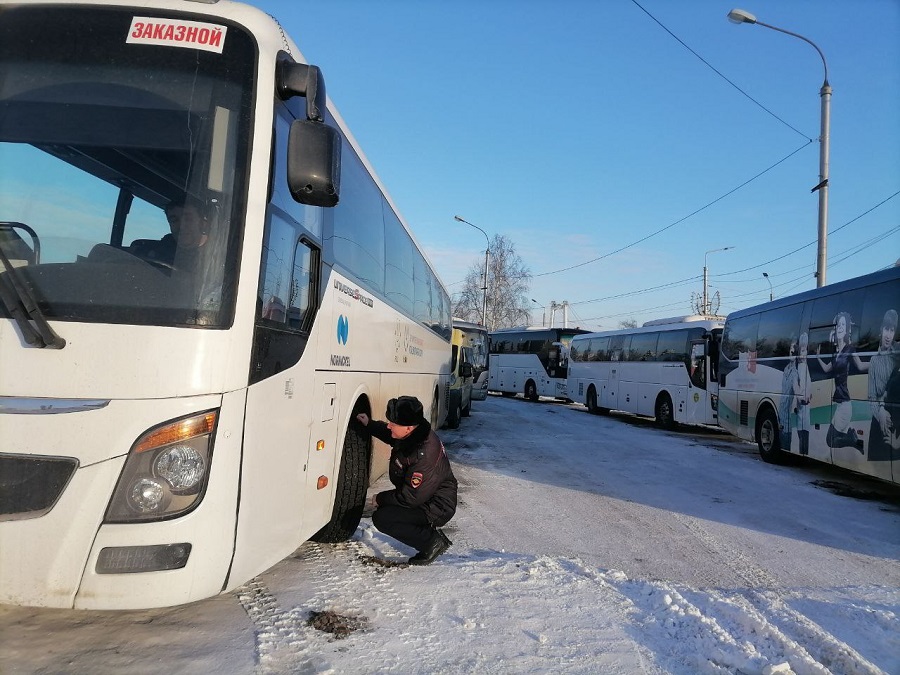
[
  {"x": 878, "y": 277},
  {"x": 707, "y": 322}
]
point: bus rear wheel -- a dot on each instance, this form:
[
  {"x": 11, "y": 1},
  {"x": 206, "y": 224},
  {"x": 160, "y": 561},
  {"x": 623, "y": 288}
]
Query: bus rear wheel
[
  {"x": 768, "y": 437},
  {"x": 350, "y": 491},
  {"x": 531, "y": 391},
  {"x": 665, "y": 413},
  {"x": 455, "y": 414},
  {"x": 592, "y": 402}
]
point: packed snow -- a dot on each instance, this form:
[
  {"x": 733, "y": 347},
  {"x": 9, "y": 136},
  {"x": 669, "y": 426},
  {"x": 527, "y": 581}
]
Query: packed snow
[{"x": 582, "y": 544}]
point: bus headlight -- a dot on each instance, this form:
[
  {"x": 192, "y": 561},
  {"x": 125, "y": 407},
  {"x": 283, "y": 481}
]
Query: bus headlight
[
  {"x": 181, "y": 466},
  {"x": 165, "y": 472}
]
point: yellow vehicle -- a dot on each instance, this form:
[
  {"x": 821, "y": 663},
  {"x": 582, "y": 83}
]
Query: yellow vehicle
[{"x": 459, "y": 393}]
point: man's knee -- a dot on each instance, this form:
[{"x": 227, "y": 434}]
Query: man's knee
[{"x": 381, "y": 518}]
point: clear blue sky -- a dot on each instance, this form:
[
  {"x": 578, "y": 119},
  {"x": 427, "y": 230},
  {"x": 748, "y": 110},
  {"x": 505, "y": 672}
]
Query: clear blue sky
[{"x": 583, "y": 129}]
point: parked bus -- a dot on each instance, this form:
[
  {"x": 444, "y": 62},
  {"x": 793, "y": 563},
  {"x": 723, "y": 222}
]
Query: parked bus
[
  {"x": 475, "y": 336},
  {"x": 178, "y": 399},
  {"x": 532, "y": 361},
  {"x": 816, "y": 374},
  {"x": 664, "y": 369}
]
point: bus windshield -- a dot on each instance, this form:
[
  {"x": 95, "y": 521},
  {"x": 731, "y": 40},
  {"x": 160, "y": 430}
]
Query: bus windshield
[{"x": 122, "y": 168}]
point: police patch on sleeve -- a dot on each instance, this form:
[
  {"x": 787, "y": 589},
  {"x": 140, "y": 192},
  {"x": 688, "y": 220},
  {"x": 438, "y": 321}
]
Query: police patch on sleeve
[{"x": 416, "y": 479}]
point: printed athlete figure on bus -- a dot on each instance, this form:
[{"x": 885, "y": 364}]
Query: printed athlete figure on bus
[
  {"x": 882, "y": 367},
  {"x": 425, "y": 489},
  {"x": 840, "y": 433}
]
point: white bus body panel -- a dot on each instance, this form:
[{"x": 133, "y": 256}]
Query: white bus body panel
[{"x": 53, "y": 551}]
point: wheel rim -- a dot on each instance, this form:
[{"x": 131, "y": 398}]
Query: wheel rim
[
  {"x": 665, "y": 411},
  {"x": 766, "y": 435}
]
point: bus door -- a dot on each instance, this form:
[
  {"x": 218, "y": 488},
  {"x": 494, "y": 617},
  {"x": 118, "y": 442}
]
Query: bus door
[
  {"x": 609, "y": 396},
  {"x": 698, "y": 408}
]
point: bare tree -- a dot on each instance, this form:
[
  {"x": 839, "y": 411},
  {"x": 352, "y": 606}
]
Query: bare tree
[
  {"x": 508, "y": 283},
  {"x": 628, "y": 323}
]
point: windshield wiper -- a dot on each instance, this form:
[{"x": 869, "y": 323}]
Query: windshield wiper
[{"x": 23, "y": 308}]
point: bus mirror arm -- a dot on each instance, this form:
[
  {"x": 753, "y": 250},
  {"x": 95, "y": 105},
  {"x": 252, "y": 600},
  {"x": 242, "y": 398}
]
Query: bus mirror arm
[{"x": 300, "y": 79}]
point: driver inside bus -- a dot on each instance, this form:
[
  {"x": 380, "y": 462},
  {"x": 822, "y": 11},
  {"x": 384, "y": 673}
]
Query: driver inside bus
[{"x": 189, "y": 231}]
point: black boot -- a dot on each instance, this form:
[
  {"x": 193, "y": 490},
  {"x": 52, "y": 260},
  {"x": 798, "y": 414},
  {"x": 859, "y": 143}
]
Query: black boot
[{"x": 436, "y": 545}]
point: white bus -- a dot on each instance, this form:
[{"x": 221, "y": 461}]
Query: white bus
[
  {"x": 475, "y": 337},
  {"x": 664, "y": 369},
  {"x": 818, "y": 375},
  {"x": 530, "y": 361},
  {"x": 178, "y": 412}
]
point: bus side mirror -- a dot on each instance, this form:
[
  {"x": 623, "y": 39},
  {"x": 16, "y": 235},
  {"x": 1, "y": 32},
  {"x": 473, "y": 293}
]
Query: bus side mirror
[
  {"x": 314, "y": 163},
  {"x": 314, "y": 148}
]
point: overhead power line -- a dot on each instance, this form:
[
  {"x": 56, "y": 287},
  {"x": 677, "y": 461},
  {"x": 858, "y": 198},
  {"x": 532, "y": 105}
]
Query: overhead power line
[
  {"x": 719, "y": 73},
  {"x": 680, "y": 220}
]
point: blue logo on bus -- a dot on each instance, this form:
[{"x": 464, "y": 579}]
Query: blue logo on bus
[{"x": 343, "y": 329}]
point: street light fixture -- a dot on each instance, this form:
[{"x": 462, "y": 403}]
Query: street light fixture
[
  {"x": 487, "y": 253},
  {"x": 741, "y": 16},
  {"x": 771, "y": 296},
  {"x": 706, "y": 277},
  {"x": 543, "y": 314}
]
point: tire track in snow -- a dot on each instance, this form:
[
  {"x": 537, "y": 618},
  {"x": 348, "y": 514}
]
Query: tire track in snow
[
  {"x": 745, "y": 569},
  {"x": 276, "y": 631}
]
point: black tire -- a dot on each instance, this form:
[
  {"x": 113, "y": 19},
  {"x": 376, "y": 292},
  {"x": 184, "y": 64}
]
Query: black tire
[
  {"x": 591, "y": 402},
  {"x": 467, "y": 410},
  {"x": 455, "y": 414},
  {"x": 531, "y": 391},
  {"x": 665, "y": 413},
  {"x": 350, "y": 491},
  {"x": 435, "y": 411},
  {"x": 507, "y": 394},
  {"x": 768, "y": 437}
]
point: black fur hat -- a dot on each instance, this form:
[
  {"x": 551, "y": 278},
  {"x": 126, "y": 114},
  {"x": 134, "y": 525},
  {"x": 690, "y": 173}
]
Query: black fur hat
[{"x": 405, "y": 411}]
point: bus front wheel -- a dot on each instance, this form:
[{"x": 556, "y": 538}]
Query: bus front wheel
[
  {"x": 350, "y": 491},
  {"x": 665, "y": 414},
  {"x": 768, "y": 437},
  {"x": 531, "y": 391}
]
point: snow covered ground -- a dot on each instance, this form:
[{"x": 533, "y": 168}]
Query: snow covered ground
[{"x": 582, "y": 545}]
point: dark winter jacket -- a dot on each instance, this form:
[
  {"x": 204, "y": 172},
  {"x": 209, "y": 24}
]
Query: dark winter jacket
[{"x": 420, "y": 472}]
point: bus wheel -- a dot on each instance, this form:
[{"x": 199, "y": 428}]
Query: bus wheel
[
  {"x": 531, "y": 391},
  {"x": 665, "y": 414},
  {"x": 507, "y": 394},
  {"x": 435, "y": 410},
  {"x": 455, "y": 415},
  {"x": 350, "y": 491},
  {"x": 591, "y": 401},
  {"x": 768, "y": 438}
]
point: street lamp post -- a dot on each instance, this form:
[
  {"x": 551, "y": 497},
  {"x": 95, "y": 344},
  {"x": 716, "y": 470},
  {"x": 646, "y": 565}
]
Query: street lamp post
[
  {"x": 771, "y": 296},
  {"x": 487, "y": 253},
  {"x": 706, "y": 278},
  {"x": 543, "y": 313},
  {"x": 741, "y": 16}
]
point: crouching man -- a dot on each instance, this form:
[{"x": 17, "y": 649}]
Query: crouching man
[{"x": 424, "y": 494}]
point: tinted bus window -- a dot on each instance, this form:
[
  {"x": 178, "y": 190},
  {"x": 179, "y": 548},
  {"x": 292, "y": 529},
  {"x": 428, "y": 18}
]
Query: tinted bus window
[
  {"x": 740, "y": 336},
  {"x": 778, "y": 330},
  {"x": 879, "y": 303},
  {"x": 643, "y": 347},
  {"x": 673, "y": 346}
]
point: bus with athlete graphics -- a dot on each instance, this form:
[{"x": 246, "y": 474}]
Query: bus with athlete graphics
[
  {"x": 202, "y": 283},
  {"x": 817, "y": 375}
]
